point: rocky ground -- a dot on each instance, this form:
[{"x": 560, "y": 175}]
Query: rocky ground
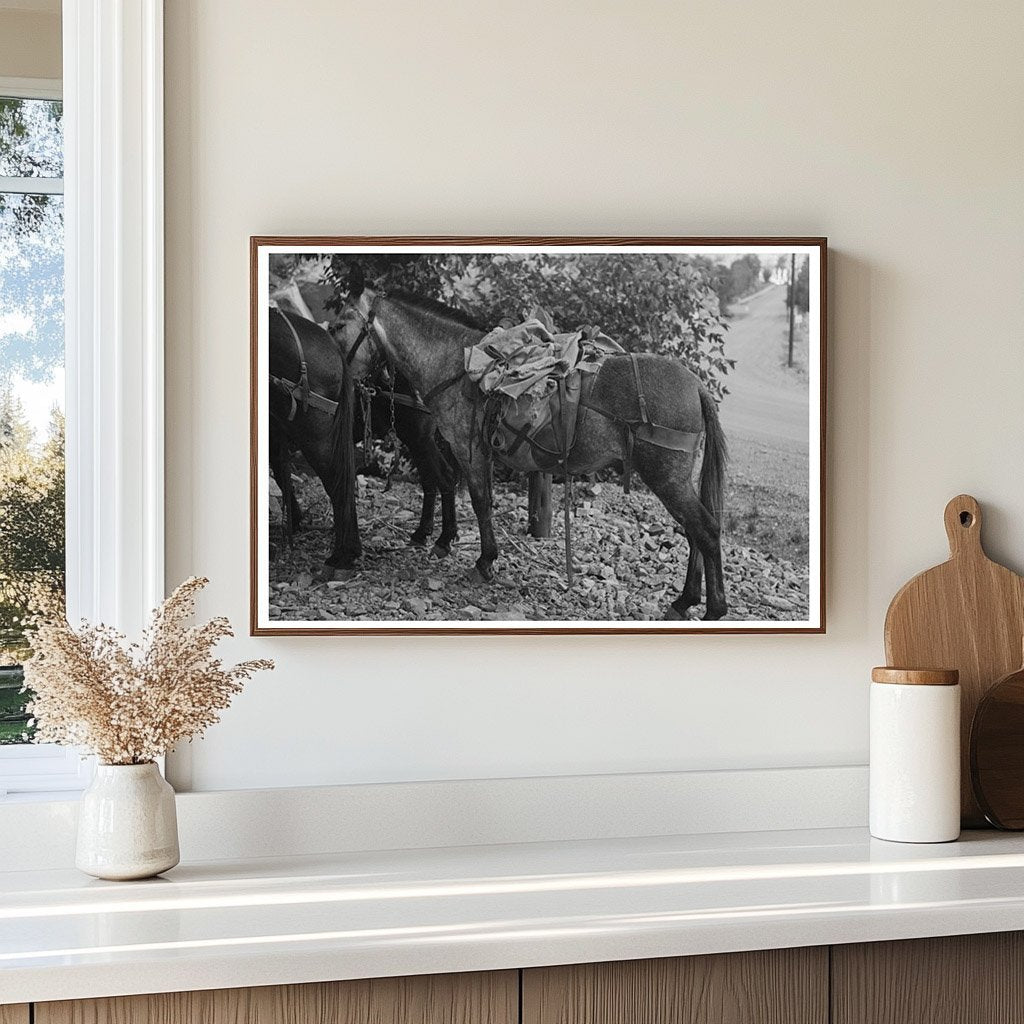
[{"x": 630, "y": 562}]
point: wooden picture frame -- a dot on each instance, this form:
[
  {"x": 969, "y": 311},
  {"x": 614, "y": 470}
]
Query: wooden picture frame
[{"x": 712, "y": 259}]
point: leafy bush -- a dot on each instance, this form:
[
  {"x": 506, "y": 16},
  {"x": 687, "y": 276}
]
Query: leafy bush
[{"x": 650, "y": 302}]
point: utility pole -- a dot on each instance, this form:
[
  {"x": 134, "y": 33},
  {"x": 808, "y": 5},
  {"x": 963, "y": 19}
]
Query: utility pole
[{"x": 792, "y": 303}]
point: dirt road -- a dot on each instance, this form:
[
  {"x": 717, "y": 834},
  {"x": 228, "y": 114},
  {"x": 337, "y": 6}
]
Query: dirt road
[{"x": 765, "y": 401}]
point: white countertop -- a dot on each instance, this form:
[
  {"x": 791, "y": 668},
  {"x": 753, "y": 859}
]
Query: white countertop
[{"x": 297, "y": 919}]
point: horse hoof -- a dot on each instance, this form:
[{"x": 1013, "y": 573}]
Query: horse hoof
[
  {"x": 674, "y": 615},
  {"x": 477, "y": 575},
  {"x": 713, "y": 614},
  {"x": 417, "y": 541},
  {"x": 439, "y": 551}
]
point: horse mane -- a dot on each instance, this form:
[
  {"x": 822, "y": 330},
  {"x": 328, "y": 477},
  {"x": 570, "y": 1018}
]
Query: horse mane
[{"x": 437, "y": 308}]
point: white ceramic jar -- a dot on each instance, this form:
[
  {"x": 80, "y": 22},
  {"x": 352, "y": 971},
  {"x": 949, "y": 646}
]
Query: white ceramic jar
[
  {"x": 127, "y": 823},
  {"x": 915, "y": 755}
]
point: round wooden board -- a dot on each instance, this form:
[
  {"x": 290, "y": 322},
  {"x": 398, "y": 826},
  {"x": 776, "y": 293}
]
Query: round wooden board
[{"x": 997, "y": 752}]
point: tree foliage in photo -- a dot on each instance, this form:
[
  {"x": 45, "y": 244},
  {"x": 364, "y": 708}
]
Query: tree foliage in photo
[
  {"x": 664, "y": 303},
  {"x": 802, "y": 286},
  {"x": 735, "y": 281}
]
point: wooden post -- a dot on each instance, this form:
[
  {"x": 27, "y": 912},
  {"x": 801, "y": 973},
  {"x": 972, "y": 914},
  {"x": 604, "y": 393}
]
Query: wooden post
[
  {"x": 792, "y": 303},
  {"x": 540, "y": 505}
]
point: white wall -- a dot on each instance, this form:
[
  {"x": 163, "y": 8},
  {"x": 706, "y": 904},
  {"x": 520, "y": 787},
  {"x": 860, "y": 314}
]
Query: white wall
[
  {"x": 30, "y": 41},
  {"x": 895, "y": 129}
]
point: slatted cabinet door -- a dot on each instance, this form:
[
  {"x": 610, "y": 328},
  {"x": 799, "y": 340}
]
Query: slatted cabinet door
[
  {"x": 491, "y": 998},
  {"x": 14, "y": 1014},
  {"x": 779, "y": 986},
  {"x": 962, "y": 979}
]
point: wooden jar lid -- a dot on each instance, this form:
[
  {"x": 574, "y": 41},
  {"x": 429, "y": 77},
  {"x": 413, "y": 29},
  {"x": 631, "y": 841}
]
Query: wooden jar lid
[{"x": 916, "y": 676}]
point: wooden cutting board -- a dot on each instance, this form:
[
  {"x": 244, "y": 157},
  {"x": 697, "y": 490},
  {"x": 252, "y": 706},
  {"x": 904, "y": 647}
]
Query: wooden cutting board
[{"x": 967, "y": 614}]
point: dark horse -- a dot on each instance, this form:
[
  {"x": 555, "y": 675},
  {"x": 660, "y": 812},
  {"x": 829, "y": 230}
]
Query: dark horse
[
  {"x": 416, "y": 430},
  {"x": 306, "y": 356},
  {"x": 321, "y": 436},
  {"x": 426, "y": 341}
]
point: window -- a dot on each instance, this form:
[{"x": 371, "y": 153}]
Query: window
[
  {"x": 32, "y": 533},
  {"x": 31, "y": 382},
  {"x": 112, "y": 208}
]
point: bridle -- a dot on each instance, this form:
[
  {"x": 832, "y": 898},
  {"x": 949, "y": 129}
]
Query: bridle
[
  {"x": 367, "y": 331},
  {"x": 381, "y": 359}
]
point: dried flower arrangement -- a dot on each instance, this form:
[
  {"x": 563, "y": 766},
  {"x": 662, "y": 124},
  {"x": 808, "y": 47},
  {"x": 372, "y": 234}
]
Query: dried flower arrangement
[{"x": 130, "y": 703}]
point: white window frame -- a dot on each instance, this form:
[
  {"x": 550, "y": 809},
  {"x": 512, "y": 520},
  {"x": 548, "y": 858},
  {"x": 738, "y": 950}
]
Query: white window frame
[{"x": 114, "y": 347}]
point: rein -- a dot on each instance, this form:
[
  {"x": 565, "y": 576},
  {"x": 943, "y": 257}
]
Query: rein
[
  {"x": 437, "y": 389},
  {"x": 367, "y": 392}
]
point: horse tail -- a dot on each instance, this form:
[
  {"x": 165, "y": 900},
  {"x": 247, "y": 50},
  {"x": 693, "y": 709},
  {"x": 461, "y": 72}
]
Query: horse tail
[{"x": 716, "y": 455}]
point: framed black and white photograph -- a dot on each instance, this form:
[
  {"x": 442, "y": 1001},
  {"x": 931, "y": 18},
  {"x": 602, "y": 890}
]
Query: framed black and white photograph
[{"x": 537, "y": 435}]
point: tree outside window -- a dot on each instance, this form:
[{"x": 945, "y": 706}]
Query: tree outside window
[{"x": 32, "y": 544}]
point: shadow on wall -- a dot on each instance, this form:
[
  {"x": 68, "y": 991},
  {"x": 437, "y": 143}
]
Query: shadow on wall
[{"x": 848, "y": 436}]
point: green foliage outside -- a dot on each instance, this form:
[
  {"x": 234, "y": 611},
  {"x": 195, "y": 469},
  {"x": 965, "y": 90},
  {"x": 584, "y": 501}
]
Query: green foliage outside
[
  {"x": 652, "y": 302},
  {"x": 31, "y": 543},
  {"x": 13, "y": 720}
]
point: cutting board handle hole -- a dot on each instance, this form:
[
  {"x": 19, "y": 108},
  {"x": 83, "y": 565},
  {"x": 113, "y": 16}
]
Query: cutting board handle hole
[{"x": 966, "y": 519}]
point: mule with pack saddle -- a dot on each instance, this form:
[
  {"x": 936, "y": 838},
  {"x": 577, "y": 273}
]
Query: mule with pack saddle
[{"x": 647, "y": 412}]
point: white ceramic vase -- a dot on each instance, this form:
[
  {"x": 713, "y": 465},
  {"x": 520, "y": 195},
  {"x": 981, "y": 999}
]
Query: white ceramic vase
[{"x": 127, "y": 824}]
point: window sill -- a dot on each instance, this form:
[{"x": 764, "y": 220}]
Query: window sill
[{"x": 42, "y": 797}]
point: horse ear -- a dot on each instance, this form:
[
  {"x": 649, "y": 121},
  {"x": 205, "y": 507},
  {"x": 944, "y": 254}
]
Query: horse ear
[{"x": 356, "y": 280}]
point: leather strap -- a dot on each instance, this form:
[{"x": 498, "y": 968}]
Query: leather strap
[
  {"x": 290, "y": 387},
  {"x": 641, "y": 401},
  {"x": 301, "y": 387},
  {"x": 652, "y": 433},
  {"x": 666, "y": 437},
  {"x": 371, "y": 315},
  {"x": 365, "y": 333},
  {"x": 522, "y": 434},
  {"x": 398, "y": 397},
  {"x": 443, "y": 386}
]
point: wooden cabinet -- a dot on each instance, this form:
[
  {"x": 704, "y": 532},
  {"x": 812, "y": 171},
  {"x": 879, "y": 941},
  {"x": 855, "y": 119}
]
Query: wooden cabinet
[
  {"x": 779, "y": 986},
  {"x": 971, "y": 979},
  {"x": 963, "y": 979},
  {"x": 491, "y": 998}
]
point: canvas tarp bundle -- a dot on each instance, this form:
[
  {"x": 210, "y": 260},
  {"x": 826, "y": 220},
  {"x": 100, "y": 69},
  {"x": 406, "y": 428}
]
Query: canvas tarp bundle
[{"x": 528, "y": 359}]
